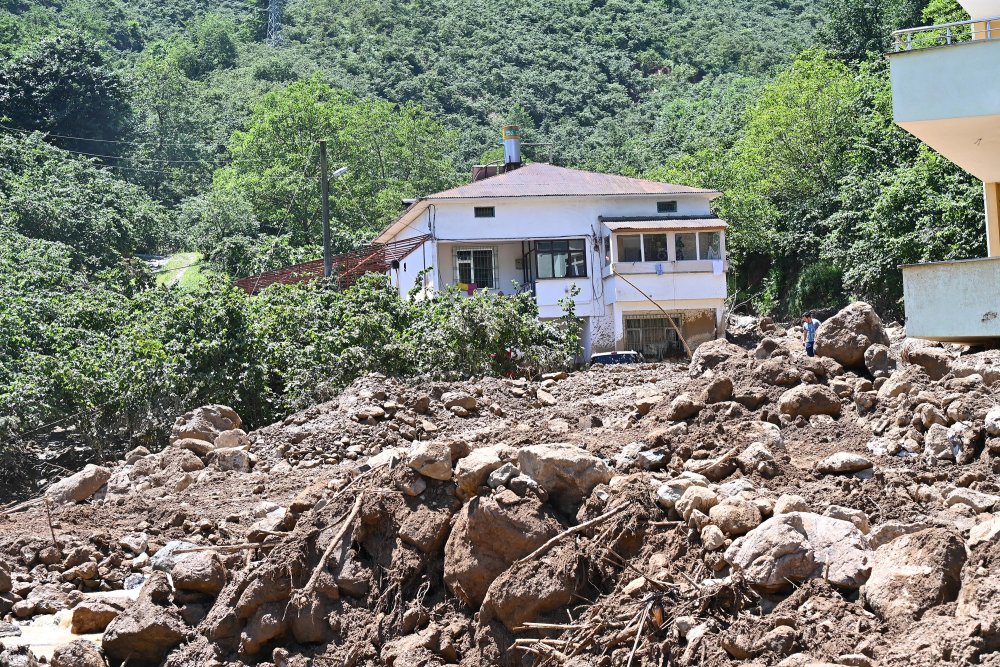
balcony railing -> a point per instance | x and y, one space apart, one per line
946 34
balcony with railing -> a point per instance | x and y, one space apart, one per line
943 93
945 34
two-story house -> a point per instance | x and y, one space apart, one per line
941 93
648 258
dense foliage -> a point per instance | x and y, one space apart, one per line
105 367
157 126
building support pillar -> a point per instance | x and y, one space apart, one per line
991 197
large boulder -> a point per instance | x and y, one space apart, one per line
203 572
935 361
847 335
530 589
148 629
91 616
808 400
79 653
915 572
714 353
984 364
567 472
795 547
80 486
877 359
489 534
205 423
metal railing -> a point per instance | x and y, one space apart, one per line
946 34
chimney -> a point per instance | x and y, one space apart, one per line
511 147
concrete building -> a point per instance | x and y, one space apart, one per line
942 94
648 258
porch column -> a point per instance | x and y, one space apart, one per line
991 196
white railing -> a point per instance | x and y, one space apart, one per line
946 34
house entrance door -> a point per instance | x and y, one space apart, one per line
653 336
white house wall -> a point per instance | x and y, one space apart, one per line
691 286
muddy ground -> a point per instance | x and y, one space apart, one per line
753 506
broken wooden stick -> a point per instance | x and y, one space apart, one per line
570 531
321 565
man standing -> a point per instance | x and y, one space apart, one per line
809 326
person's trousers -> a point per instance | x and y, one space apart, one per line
810 349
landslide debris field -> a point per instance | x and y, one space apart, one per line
754 506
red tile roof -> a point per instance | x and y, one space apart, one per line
348 267
546 180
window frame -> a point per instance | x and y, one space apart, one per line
581 253
484 211
666 206
472 265
671 246
710 259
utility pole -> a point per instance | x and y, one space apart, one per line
324 193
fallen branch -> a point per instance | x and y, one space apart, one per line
321 565
638 634
717 469
570 531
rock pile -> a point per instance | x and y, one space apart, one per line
752 507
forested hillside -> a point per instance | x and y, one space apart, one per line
158 126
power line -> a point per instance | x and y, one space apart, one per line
109 141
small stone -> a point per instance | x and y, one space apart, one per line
502 475
843 462
735 517
194 445
857 517
980 502
452 399
431 459
78 653
203 572
684 407
91 616
712 537
788 503
545 398
232 459
695 498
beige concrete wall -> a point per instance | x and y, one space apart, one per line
991 196
953 301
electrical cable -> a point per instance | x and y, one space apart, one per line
108 141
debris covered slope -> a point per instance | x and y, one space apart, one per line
755 506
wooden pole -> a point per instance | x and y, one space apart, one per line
324 190
670 319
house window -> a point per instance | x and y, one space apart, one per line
655 337
485 212
654 247
686 246
476 266
666 207
561 259
630 248
709 245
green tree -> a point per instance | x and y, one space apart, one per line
65 85
391 152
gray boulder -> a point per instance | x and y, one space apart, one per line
798 546
80 486
566 472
